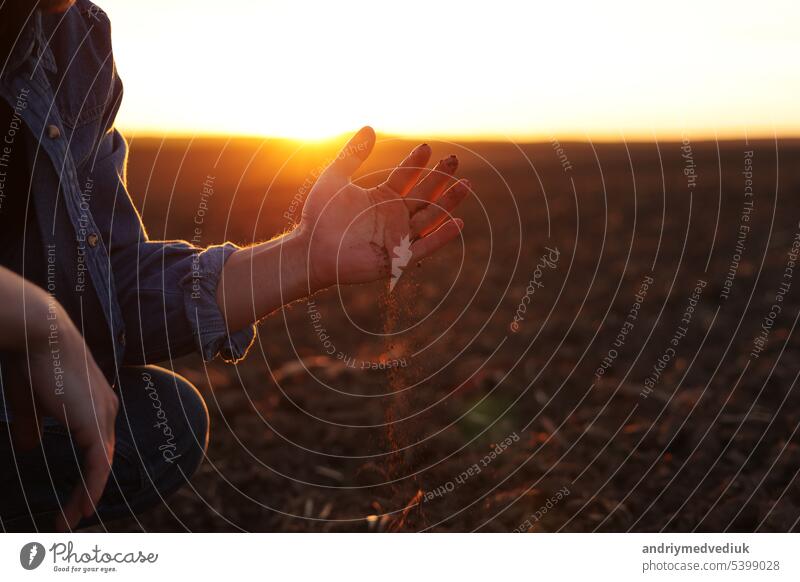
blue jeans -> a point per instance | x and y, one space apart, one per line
161 438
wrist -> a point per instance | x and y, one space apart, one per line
314 277
258 280
297 277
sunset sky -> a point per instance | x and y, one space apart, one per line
518 70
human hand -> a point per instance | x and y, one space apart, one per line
57 376
352 233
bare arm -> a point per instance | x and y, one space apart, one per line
74 391
347 234
260 279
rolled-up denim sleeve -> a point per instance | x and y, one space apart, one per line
200 299
166 289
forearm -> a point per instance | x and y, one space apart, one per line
260 279
24 309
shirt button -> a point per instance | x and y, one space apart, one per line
53 132
122 338
92 240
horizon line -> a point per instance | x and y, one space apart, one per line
567 137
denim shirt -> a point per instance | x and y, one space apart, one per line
135 300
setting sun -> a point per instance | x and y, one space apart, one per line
519 70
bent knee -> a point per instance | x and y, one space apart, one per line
162 431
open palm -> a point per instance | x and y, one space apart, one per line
354 232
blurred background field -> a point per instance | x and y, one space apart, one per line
300 440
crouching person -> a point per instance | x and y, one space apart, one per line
90 430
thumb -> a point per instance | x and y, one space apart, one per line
354 153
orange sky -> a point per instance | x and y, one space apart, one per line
518 70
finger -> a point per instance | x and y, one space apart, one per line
405 175
71 512
428 245
26 430
97 468
426 220
432 185
354 153
86 495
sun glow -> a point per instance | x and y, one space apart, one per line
467 70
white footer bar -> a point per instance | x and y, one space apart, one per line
401 557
